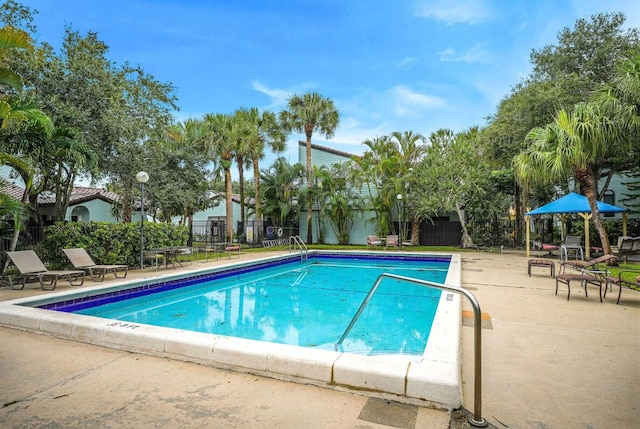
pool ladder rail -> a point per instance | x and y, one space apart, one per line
296 240
476 419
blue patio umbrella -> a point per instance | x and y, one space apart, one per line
573 203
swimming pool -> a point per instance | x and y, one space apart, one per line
431 375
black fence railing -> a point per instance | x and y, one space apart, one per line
28 238
249 233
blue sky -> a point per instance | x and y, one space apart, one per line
387 65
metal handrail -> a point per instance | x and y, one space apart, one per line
303 247
475 420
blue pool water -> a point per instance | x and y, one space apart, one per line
305 304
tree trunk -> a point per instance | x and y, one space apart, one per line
415 231
229 204
309 194
588 182
258 204
466 241
241 180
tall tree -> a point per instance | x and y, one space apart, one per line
451 176
242 153
375 170
564 74
590 50
571 146
411 149
114 109
220 142
265 132
180 166
306 114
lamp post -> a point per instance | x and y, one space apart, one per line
142 178
400 213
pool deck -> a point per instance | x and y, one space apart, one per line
547 363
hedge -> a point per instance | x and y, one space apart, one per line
107 243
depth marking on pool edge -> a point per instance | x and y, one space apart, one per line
467 319
123 325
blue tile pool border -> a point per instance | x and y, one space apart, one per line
160 285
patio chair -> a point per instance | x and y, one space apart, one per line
373 240
154 256
627 246
392 241
571 244
30 267
583 265
81 260
184 254
633 284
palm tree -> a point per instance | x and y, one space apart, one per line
620 100
10 207
265 131
15 114
306 114
571 146
372 168
341 201
281 190
621 97
70 154
220 142
409 153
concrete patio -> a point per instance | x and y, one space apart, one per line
547 363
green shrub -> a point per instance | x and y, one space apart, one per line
107 243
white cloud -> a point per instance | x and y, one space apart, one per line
460 12
354 132
280 96
475 54
406 62
404 101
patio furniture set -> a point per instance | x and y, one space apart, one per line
591 272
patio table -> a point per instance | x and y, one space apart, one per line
170 255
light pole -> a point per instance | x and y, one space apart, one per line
400 210
142 178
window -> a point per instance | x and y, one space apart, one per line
609 198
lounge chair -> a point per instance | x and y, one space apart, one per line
549 248
621 282
392 241
583 265
81 260
571 243
373 240
584 279
31 267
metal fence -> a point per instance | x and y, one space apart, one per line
250 233
28 238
